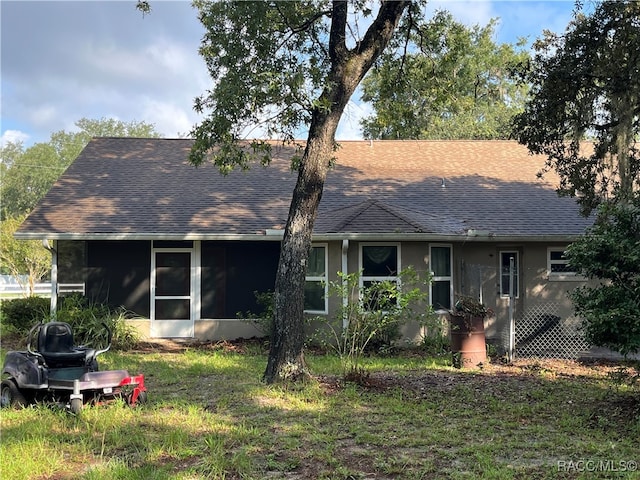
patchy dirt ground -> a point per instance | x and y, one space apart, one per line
500 375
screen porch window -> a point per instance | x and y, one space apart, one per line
315 294
505 262
441 288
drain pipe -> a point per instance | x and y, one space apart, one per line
344 268
54 276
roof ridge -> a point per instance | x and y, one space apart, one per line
359 208
393 210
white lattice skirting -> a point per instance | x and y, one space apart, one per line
542 332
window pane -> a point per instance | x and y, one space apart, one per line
441 294
175 309
561 268
316 267
379 261
505 258
314 296
173 274
441 261
556 255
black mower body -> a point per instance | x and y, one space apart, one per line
58 371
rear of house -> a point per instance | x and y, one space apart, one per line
186 248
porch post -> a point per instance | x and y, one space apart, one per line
54 275
345 267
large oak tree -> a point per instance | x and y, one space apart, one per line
585 85
584 115
287 66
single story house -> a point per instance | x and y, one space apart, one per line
132 223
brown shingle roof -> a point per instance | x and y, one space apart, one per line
146 187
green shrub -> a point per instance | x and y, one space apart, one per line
373 317
264 319
20 314
87 319
435 341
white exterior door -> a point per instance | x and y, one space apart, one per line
172 292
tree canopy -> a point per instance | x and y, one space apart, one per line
585 85
456 84
584 115
22 257
28 174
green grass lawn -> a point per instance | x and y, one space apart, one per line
210 416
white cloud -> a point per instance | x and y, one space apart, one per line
103 59
13 136
169 118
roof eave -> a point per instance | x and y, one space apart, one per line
277 235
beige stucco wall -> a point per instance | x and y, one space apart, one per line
478 268
475 272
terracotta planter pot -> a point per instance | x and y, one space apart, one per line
468 345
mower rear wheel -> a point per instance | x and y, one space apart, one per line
10 395
143 397
76 406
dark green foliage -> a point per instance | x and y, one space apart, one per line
263 320
457 83
610 252
86 319
585 85
23 313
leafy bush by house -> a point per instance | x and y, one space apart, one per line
262 320
86 319
20 314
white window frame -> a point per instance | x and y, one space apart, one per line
323 278
517 262
441 278
560 276
378 278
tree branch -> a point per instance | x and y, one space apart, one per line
338 34
304 26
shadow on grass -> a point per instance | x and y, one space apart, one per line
210 416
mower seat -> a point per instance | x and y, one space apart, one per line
55 344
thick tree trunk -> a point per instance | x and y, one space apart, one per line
286 357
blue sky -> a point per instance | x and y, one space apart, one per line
62 61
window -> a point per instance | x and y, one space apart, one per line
379 263
505 265
558 267
315 295
441 288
